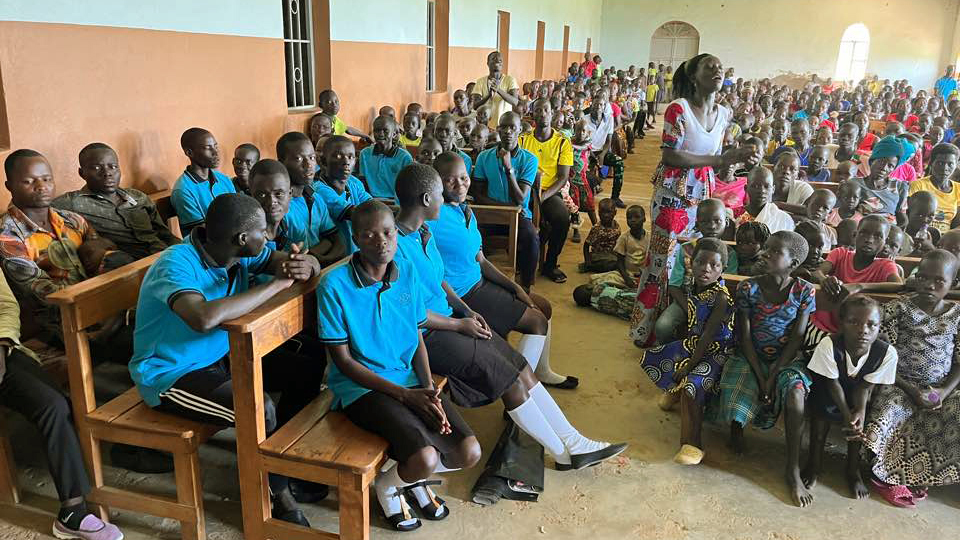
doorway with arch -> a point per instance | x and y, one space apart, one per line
674 42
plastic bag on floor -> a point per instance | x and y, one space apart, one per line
514 469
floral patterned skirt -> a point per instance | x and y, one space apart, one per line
672 215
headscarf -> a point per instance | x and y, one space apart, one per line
890 146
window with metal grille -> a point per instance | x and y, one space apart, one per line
298 53
431 46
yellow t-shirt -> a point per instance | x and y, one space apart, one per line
339 127
409 142
497 104
652 90
555 151
946 202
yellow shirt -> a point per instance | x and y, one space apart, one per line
652 90
409 142
339 128
497 104
555 151
946 202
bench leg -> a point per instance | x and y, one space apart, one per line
512 246
190 492
94 458
9 493
354 495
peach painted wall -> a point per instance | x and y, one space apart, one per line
136 90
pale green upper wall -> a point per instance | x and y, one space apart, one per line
256 18
909 39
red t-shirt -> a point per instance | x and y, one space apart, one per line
588 68
878 271
867 143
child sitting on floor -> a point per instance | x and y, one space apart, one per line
598 253
687 368
845 367
615 292
750 239
244 158
920 236
765 374
816 242
817 170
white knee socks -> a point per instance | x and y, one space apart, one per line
426 496
574 442
531 347
532 421
387 486
542 369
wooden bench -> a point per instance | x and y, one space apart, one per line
126 419
501 215
315 445
732 281
169 214
832 186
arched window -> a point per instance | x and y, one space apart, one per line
854 48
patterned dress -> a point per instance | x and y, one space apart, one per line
661 362
770 328
673 208
914 446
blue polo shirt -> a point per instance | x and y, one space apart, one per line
420 249
458 241
164 346
490 170
378 320
191 196
338 204
309 222
380 170
467 160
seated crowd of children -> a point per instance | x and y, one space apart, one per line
813 237
405 290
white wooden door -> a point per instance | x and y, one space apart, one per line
673 43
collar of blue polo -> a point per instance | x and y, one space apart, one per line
363 279
424 231
197 236
378 151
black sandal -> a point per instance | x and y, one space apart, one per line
436 503
397 520
555 275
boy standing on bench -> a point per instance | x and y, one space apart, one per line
180 362
200 182
28 390
126 216
370 310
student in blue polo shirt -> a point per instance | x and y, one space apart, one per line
180 362
200 182
338 188
369 311
308 218
380 163
504 175
503 303
445 132
480 365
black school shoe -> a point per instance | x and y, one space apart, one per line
582 461
291 516
306 492
569 383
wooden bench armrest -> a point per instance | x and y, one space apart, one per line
269 310
496 208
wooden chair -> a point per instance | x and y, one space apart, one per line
489 214
162 200
127 419
316 444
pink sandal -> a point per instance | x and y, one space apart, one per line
895 494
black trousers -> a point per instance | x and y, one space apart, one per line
206 395
554 226
28 390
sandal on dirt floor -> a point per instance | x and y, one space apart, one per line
436 509
897 495
555 275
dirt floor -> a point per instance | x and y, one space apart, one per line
643 494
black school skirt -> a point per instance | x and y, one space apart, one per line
478 371
498 306
402 428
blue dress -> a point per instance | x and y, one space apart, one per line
660 363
